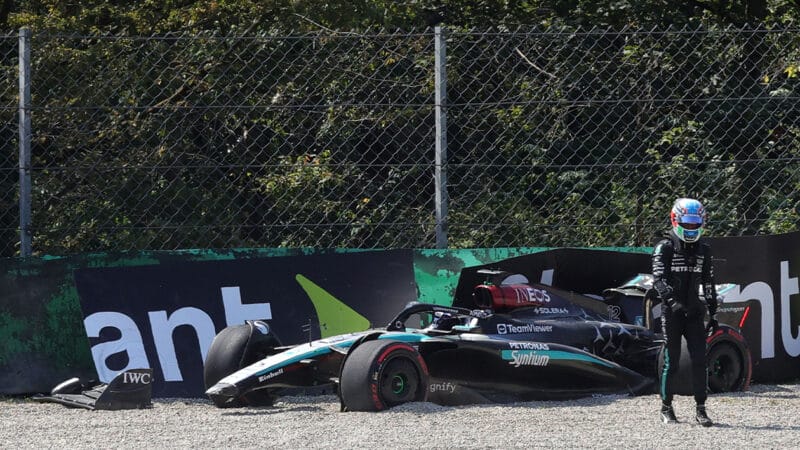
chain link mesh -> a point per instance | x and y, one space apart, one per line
9 139
554 138
594 134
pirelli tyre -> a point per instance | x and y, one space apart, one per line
728 361
380 374
236 347
730 366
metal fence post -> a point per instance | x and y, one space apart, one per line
441 139
25 142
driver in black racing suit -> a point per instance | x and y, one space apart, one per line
681 264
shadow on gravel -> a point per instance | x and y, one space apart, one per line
585 402
756 427
762 390
261 411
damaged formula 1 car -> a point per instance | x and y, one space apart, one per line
523 341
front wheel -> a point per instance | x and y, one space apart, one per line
381 374
236 347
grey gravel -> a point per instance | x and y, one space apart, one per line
766 416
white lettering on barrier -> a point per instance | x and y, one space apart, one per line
163 326
236 312
762 293
789 287
130 342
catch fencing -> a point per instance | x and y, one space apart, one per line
437 138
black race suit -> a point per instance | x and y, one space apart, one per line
679 269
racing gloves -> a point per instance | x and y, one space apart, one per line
713 325
712 317
667 295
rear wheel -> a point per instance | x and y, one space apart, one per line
725 368
381 374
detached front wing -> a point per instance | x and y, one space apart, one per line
131 389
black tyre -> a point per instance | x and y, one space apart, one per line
381 374
725 368
730 364
236 347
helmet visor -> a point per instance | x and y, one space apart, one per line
691 222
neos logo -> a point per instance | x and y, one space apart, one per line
163 325
532 295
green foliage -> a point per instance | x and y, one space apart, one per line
251 123
144 17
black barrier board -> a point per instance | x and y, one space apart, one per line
764 270
165 316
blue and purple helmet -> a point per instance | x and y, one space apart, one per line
688 218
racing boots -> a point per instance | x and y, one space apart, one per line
702 417
668 414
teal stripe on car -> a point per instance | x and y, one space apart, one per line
508 355
306 351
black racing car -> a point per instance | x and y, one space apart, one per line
523 341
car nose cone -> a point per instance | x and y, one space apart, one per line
223 390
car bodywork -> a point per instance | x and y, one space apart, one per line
523 341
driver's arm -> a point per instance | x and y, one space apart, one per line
662 266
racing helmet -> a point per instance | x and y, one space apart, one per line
444 321
688 219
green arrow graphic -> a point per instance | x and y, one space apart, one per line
334 316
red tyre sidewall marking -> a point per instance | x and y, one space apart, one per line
742 347
376 370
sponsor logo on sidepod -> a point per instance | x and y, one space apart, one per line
528 346
507 328
551 310
526 358
447 388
